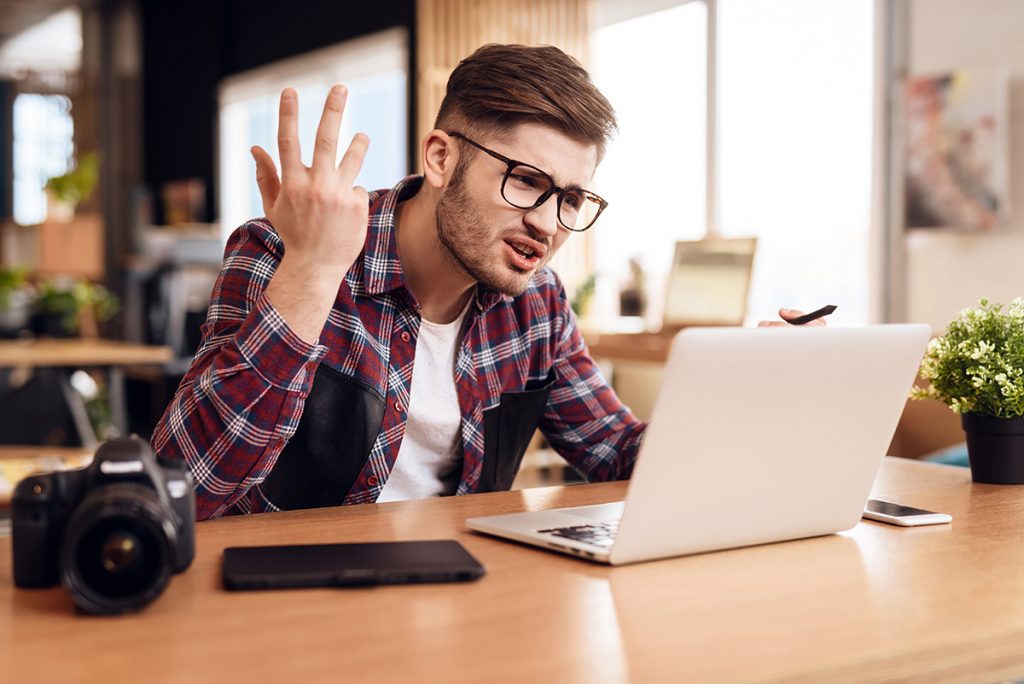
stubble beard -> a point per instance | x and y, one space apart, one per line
465 241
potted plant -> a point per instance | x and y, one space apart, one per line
977 369
66 307
64 192
16 295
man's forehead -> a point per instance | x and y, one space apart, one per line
569 161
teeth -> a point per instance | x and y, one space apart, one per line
525 251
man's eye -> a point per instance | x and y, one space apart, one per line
573 200
524 181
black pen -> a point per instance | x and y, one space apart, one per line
814 315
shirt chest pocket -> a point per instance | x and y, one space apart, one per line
508 428
322 460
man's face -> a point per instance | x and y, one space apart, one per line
487 237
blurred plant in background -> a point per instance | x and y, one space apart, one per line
65 307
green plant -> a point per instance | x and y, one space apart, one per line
12 279
76 185
69 299
978 365
583 295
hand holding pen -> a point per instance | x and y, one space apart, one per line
794 317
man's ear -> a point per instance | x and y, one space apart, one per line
440 155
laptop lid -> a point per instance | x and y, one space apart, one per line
765 434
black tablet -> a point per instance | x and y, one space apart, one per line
346 565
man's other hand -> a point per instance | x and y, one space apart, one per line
788 315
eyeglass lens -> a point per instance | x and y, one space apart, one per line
524 185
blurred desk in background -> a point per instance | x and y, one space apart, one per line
110 355
75 353
639 346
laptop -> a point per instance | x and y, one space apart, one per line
758 435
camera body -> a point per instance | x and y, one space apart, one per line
112 532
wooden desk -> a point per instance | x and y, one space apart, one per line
111 355
640 346
877 603
77 352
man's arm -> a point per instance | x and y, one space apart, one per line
242 398
584 420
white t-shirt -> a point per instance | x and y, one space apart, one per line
429 462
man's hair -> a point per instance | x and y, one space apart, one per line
499 86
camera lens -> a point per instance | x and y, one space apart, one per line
121 552
117 553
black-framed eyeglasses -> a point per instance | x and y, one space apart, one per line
524 186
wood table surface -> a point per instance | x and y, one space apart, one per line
652 347
79 352
876 603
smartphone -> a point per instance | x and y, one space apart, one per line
898 514
348 565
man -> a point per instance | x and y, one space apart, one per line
408 342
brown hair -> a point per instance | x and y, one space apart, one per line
499 86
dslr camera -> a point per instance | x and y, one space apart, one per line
112 532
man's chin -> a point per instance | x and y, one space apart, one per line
512 282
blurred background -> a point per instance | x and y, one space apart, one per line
771 153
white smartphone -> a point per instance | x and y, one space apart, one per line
907 516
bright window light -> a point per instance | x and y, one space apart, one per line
43 148
794 149
375 70
653 69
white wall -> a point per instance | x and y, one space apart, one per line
947 271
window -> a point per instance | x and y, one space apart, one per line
791 149
795 106
373 68
43 148
653 69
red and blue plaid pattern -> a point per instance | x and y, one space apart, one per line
243 395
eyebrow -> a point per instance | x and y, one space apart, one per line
570 186
507 141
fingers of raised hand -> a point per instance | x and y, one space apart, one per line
352 162
325 151
288 133
266 178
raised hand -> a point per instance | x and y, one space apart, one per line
317 211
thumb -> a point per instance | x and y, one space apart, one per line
266 178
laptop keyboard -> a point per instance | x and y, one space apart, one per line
598 534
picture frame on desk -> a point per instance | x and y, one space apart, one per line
709 282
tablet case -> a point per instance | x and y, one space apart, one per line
348 565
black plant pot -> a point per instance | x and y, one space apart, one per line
995 447
45 324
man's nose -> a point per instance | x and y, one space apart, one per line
544 219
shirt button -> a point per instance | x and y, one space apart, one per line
406 336
372 480
399 407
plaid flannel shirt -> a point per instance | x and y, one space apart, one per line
243 395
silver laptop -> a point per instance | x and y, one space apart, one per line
758 435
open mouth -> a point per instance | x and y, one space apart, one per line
524 254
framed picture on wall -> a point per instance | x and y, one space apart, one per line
956 151
709 282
